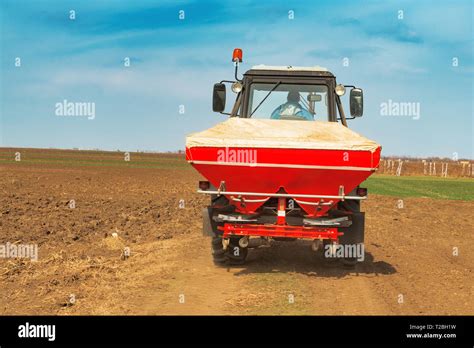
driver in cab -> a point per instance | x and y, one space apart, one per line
291 110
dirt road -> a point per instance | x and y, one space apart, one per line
419 259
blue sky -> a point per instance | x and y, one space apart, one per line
175 62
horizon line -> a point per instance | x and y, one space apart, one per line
182 151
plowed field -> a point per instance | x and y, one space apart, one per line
87 211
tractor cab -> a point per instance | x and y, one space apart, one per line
287 93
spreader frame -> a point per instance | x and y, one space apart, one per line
280 231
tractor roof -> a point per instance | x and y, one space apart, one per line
289 70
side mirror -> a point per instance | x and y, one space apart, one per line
218 97
356 101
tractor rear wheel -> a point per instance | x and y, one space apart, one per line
232 255
354 234
349 262
326 257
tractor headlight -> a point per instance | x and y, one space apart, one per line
340 90
236 87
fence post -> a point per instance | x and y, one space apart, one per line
399 169
444 170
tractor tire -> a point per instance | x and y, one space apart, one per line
349 262
328 260
232 255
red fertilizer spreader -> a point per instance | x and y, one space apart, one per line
282 179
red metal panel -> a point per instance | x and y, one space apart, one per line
289 156
317 181
280 231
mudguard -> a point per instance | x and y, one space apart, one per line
354 234
207 222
